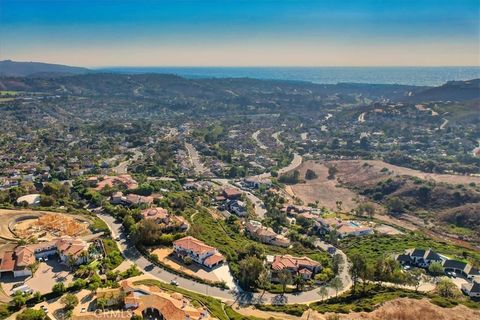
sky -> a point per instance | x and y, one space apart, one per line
104 33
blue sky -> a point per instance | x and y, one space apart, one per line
241 33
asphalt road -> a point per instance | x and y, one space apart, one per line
242 297
260 210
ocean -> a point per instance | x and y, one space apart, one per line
420 76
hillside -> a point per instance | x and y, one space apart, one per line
37 69
450 91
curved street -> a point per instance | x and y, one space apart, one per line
241 297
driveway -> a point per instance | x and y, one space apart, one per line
48 274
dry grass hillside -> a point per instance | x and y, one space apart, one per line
408 309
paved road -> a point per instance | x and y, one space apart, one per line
260 210
242 297
259 143
198 165
122 167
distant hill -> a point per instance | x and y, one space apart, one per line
450 91
11 68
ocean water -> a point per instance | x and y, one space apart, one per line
420 76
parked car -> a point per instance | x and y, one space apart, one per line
174 282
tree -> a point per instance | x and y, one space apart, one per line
357 268
148 232
102 302
323 292
284 277
299 282
366 208
333 236
446 288
332 171
310 174
415 277
31 314
58 288
395 205
263 281
435 268
336 284
46 201
250 268
337 262
71 261
37 296
19 300
70 301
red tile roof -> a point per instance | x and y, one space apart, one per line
214 259
194 245
290 262
8 261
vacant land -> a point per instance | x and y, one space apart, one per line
405 308
355 171
321 189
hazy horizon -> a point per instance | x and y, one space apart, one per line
366 33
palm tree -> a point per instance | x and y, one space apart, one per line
263 281
285 277
84 256
298 282
71 261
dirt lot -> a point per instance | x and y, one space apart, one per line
354 171
325 191
8 216
403 309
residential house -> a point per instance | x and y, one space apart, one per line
161 216
344 228
19 259
472 289
462 268
265 235
423 258
303 266
148 302
158 214
237 207
256 182
232 193
198 251
130 199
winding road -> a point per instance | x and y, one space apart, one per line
237 294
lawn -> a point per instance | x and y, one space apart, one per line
98 225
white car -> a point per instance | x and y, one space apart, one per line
174 282
83 310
